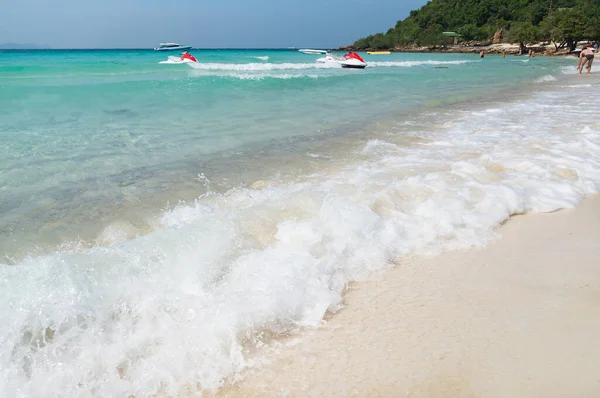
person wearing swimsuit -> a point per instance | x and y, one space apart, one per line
586 56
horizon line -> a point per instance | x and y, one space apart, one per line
152 49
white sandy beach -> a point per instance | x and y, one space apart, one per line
518 318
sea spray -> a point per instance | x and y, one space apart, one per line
186 307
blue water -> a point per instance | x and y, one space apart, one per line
161 224
86 133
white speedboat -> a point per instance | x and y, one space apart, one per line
172 47
310 51
350 60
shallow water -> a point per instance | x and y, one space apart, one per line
96 137
159 222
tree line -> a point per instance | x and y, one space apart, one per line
565 22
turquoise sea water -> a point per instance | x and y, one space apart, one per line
158 222
90 137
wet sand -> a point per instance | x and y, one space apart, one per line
517 318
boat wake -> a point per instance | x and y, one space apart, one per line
289 66
258 66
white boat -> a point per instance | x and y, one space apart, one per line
172 47
350 60
310 51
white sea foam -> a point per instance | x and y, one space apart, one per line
258 67
569 70
185 306
258 75
410 64
261 76
578 86
262 58
545 78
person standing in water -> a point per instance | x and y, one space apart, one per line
481 54
586 56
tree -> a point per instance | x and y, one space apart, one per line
406 33
568 22
431 37
469 31
522 32
381 41
567 27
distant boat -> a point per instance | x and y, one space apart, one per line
378 52
310 51
172 47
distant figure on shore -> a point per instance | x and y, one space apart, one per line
481 54
503 54
522 48
586 56
531 53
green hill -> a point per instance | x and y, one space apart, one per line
564 21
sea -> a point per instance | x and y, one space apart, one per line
162 226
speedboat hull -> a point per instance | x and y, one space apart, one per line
178 48
353 65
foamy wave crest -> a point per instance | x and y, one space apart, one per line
409 64
569 70
578 86
260 67
546 78
261 76
263 58
257 75
185 308
280 76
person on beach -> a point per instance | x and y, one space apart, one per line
586 56
481 54
503 54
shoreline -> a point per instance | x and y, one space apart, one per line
518 318
233 275
474 48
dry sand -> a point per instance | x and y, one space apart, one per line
518 318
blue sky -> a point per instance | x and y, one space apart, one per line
207 24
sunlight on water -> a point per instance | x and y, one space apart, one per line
293 188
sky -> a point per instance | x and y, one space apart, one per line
200 23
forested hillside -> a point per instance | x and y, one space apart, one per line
564 21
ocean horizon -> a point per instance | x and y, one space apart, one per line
161 223
152 48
